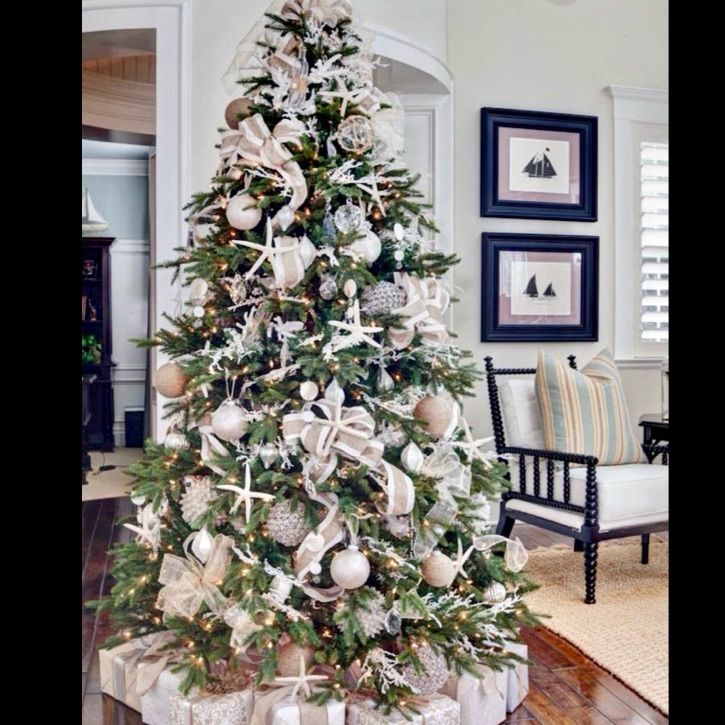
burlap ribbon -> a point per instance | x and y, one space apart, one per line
188 583
399 489
254 142
325 12
348 431
155 660
423 311
292 256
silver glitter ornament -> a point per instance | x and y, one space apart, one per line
435 671
268 454
382 298
328 288
237 289
494 593
175 440
348 218
288 527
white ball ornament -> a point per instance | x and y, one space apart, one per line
494 593
268 454
412 457
367 248
229 421
202 545
349 568
170 380
309 390
438 570
398 231
350 288
242 212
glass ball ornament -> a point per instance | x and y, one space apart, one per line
393 622
348 218
268 454
356 134
350 569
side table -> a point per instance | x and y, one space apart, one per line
656 430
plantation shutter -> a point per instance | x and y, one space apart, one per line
654 240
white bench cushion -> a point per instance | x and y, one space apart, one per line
521 417
630 494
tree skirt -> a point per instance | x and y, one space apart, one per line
115 483
626 631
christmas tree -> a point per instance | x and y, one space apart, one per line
319 497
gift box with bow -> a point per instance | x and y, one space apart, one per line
232 708
482 699
435 710
517 678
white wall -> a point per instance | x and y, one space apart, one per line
119 189
557 56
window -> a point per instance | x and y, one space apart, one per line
641 236
654 240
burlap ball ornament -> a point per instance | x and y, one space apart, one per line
170 380
285 526
438 413
438 570
237 106
382 298
435 671
288 659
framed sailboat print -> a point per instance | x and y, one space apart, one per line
539 287
537 165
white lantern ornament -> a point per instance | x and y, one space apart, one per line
229 421
243 212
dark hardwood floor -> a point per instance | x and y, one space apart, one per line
566 688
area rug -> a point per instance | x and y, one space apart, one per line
626 631
115 483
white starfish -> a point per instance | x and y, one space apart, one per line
471 446
150 529
358 333
245 494
301 681
371 188
266 250
461 559
343 93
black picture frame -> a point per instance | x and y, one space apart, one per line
494 204
493 329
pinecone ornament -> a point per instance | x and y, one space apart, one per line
435 671
382 298
288 527
197 497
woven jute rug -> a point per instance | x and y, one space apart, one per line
625 632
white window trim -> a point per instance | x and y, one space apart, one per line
632 108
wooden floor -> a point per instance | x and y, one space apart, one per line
565 686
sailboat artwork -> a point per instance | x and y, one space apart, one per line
540 166
549 291
91 219
531 290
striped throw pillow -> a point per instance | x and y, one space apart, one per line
585 411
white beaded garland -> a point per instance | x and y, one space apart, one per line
242 212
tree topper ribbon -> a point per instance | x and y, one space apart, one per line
188 583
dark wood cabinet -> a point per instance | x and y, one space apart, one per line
96 340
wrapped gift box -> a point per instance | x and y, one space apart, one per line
482 699
156 702
517 687
439 710
234 708
119 668
293 712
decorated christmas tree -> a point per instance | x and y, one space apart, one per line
319 498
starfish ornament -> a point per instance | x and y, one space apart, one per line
245 495
150 529
266 250
343 93
301 681
461 558
358 333
471 446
